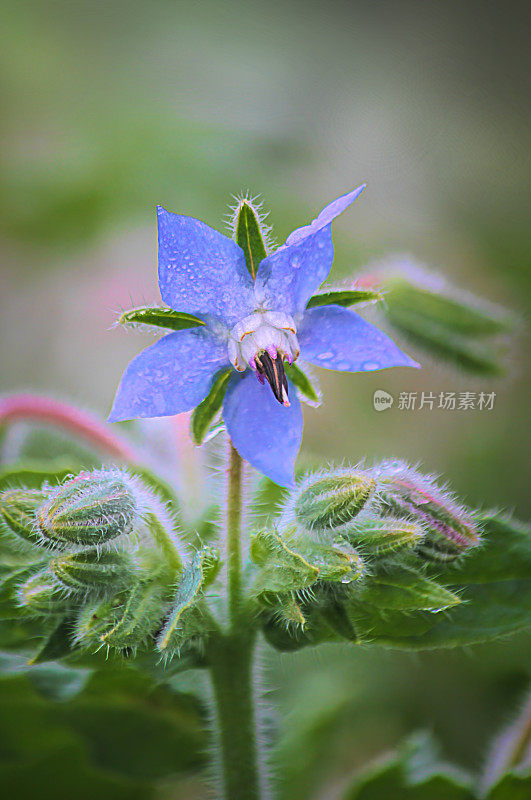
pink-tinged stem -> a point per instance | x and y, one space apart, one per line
45 409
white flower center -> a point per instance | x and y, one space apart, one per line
271 332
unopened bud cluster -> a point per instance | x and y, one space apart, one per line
382 510
101 550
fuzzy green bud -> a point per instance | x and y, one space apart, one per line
449 528
89 509
96 619
92 569
42 594
139 617
17 511
337 564
330 501
383 535
124 621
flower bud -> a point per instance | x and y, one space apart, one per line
138 617
17 510
97 618
449 529
89 509
91 569
383 535
42 594
337 564
329 501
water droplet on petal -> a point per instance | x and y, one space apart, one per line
326 355
295 261
368 366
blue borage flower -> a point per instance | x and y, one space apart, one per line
254 323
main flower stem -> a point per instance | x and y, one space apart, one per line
234 522
231 656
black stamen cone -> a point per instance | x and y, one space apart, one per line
273 371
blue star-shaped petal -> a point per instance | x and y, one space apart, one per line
254 326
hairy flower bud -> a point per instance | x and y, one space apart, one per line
125 621
337 564
383 535
449 529
91 569
90 509
42 594
17 510
331 500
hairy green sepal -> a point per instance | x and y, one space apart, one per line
205 412
303 384
344 297
186 620
248 234
159 317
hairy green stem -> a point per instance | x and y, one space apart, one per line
232 679
231 656
234 519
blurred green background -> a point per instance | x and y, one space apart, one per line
111 108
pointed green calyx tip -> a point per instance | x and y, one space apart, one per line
159 317
89 509
330 501
205 413
91 569
250 234
449 529
17 511
185 621
42 595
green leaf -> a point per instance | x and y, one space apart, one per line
207 409
160 317
486 612
505 554
57 644
513 786
65 774
402 589
53 681
302 382
248 234
344 297
136 728
32 475
127 727
414 773
494 585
